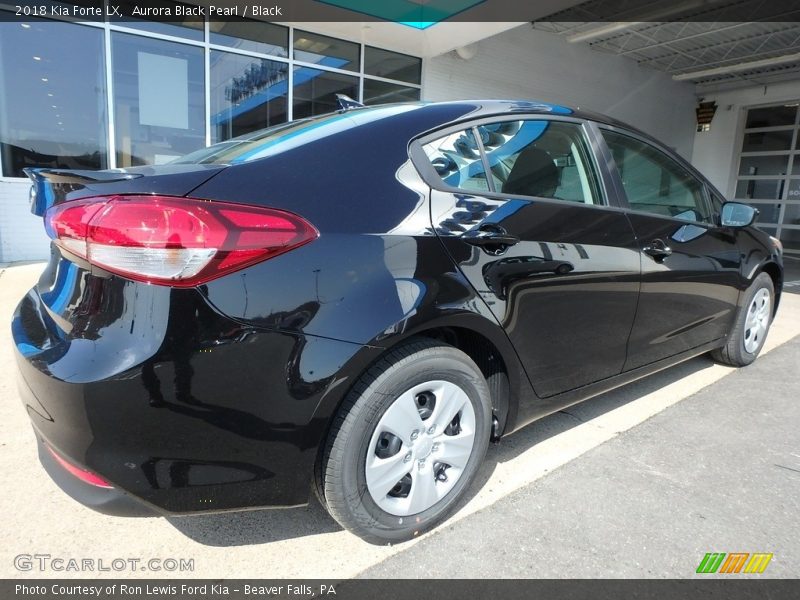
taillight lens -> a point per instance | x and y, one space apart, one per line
166 240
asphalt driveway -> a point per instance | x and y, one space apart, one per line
638 482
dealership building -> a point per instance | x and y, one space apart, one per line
95 94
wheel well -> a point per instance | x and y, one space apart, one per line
489 360
774 271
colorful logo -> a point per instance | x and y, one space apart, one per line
736 562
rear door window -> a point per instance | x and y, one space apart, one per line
529 157
541 158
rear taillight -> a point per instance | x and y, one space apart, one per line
173 241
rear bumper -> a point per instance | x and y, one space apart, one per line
205 417
109 501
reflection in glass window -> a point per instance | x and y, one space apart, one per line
52 101
392 65
764 165
247 94
255 36
315 91
381 92
457 161
759 189
792 216
768 213
767 141
190 27
326 51
656 183
771 116
547 159
159 99
288 136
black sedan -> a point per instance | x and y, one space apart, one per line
356 304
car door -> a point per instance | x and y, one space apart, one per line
690 267
557 266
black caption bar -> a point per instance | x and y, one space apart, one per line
416 12
370 589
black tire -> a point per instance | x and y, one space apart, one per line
734 352
342 468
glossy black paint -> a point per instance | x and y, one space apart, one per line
575 292
220 397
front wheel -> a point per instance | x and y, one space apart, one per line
407 442
749 332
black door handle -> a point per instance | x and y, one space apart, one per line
658 249
489 236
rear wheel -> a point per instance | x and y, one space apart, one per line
749 332
407 442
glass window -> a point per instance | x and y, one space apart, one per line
771 116
794 189
792 216
392 65
255 36
380 92
760 189
548 159
790 236
326 51
764 165
457 161
247 94
191 26
159 99
656 183
315 91
287 136
768 213
52 96
767 141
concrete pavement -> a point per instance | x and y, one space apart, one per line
718 472
306 542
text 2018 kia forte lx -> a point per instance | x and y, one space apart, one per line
357 303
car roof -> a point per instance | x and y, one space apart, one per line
492 107
481 108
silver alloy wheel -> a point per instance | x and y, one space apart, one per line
757 320
429 448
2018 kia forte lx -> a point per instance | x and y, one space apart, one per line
357 303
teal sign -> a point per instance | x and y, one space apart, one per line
407 12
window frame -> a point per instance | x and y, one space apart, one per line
108 26
705 186
428 174
366 47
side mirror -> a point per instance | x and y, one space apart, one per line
736 214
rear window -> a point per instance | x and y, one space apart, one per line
286 136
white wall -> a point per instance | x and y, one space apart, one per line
715 151
22 235
524 64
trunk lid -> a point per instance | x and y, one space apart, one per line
54 186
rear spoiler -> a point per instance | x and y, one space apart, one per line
50 186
